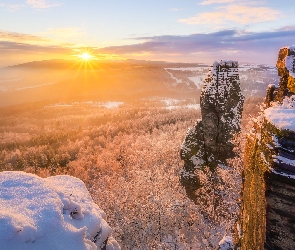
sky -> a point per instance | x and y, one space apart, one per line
197 31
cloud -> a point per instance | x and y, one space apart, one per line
227 44
26 43
287 28
14 47
175 9
15 53
12 7
8 36
42 4
207 2
44 38
261 47
36 4
240 14
241 2
18 48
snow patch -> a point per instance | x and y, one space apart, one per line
189 68
282 115
91 103
226 243
198 81
51 213
291 176
177 81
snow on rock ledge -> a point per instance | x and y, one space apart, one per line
282 115
51 213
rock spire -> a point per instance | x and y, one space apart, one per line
208 142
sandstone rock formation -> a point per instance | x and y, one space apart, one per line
268 208
286 67
208 142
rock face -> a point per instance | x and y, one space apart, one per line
268 208
286 69
221 108
208 142
285 65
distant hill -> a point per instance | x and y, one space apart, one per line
63 80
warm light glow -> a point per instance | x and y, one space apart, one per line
86 56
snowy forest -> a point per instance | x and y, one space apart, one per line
147 125
128 157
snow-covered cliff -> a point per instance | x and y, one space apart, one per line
268 208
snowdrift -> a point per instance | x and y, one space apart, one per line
51 213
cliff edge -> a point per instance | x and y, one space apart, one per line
268 207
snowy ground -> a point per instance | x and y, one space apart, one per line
174 104
91 103
51 213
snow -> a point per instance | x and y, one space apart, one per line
281 118
249 66
112 104
91 103
226 243
282 115
178 81
51 213
197 80
189 68
229 63
190 106
291 176
174 104
290 65
280 158
170 101
197 161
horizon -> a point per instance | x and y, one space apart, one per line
201 31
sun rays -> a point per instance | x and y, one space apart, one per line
87 62
86 56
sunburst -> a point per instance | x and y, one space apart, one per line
87 60
86 56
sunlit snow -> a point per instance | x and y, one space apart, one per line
282 115
51 213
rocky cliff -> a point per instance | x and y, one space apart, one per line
208 142
268 210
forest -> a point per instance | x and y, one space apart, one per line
128 158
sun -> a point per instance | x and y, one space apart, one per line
86 60
86 56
